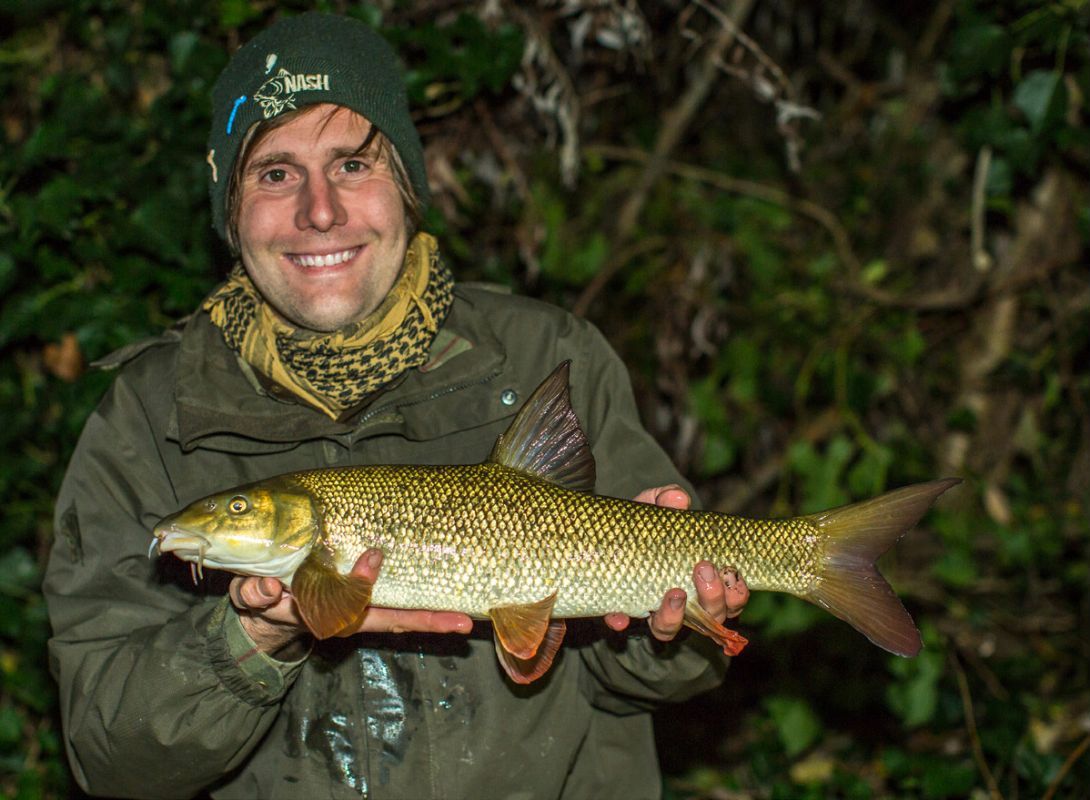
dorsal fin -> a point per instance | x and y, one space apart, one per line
546 439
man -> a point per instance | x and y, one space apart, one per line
342 339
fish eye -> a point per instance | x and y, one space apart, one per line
238 505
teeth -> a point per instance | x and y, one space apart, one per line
328 260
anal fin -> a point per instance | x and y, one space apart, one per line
331 604
702 622
527 638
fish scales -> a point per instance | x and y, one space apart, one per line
477 536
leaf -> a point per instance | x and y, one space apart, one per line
1041 96
915 697
718 454
797 725
18 572
742 361
11 725
181 48
235 13
956 568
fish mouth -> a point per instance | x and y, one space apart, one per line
186 545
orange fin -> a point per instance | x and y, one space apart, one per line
700 621
331 604
546 439
850 586
521 628
526 638
528 670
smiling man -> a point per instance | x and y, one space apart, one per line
340 338
322 227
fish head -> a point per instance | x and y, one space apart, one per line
265 528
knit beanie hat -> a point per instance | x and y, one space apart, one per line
304 60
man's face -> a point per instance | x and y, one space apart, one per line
322 230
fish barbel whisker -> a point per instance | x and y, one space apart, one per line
196 568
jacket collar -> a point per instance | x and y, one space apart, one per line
219 404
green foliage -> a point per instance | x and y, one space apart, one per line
797 726
802 340
105 239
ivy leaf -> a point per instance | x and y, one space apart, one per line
796 723
915 697
1041 96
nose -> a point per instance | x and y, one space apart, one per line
319 205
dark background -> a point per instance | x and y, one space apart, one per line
841 246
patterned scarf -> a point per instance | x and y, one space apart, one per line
334 372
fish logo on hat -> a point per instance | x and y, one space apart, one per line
277 94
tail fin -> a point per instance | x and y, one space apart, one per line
850 586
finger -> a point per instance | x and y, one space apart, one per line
736 591
710 591
256 593
397 620
368 565
670 496
673 497
666 621
617 621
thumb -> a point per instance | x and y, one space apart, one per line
252 593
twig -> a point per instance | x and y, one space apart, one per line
982 259
750 45
970 723
933 31
1054 786
674 125
510 163
950 298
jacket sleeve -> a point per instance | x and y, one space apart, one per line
161 690
634 672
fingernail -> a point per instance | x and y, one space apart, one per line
676 601
706 573
374 560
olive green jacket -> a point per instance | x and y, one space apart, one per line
163 694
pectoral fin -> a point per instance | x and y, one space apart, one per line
700 621
330 603
527 640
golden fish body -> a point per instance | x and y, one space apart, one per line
471 538
521 540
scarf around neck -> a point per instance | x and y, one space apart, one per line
335 372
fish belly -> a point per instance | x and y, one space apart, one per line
471 538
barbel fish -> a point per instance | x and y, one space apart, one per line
521 540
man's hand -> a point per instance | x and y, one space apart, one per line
268 613
722 593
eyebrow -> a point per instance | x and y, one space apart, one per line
258 164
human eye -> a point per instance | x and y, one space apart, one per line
355 166
274 175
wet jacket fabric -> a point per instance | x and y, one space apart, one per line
164 695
